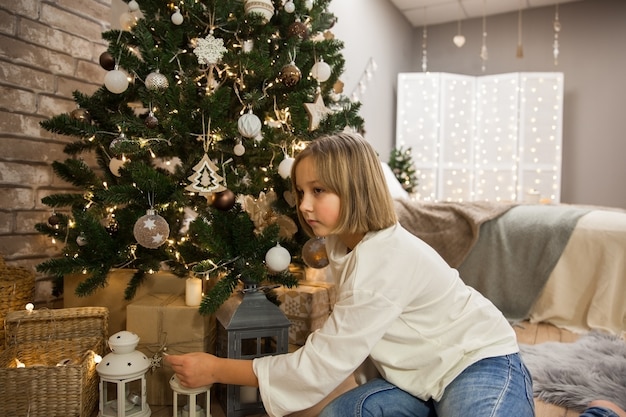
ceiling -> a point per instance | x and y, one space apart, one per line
432 12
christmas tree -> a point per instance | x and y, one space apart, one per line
192 136
403 168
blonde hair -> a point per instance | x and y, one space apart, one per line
348 166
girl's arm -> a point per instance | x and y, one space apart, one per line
199 369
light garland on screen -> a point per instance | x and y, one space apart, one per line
556 25
500 143
366 77
484 55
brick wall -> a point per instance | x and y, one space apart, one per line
48 49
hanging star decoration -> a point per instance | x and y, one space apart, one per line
210 50
317 111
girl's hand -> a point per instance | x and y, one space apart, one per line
193 369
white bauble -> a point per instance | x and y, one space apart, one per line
116 81
290 7
177 18
284 168
114 166
133 6
308 4
247 45
263 7
321 71
81 240
278 258
239 149
249 125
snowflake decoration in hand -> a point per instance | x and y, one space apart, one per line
155 361
209 50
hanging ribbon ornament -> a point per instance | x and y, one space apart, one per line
205 180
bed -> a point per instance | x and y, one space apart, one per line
559 264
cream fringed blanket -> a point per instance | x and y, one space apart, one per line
450 228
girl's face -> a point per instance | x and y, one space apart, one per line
319 207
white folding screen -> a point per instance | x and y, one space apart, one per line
493 138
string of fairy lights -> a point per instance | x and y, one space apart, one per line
493 138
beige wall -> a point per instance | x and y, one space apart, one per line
592 59
47 50
374 29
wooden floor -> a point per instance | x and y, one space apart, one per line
530 334
527 333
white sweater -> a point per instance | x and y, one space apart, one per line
398 304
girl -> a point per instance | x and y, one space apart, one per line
438 348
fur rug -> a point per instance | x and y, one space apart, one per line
573 374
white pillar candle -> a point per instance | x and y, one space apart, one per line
193 292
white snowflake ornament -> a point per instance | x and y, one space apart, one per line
210 50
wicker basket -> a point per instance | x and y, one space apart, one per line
58 348
17 288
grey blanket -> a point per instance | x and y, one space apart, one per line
516 253
450 228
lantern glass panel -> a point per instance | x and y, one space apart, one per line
184 405
109 398
259 346
132 397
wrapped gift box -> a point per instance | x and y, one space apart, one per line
112 296
307 306
164 322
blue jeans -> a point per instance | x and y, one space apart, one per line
493 387
598 412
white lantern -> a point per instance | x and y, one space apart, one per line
123 378
198 403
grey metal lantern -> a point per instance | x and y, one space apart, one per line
248 326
